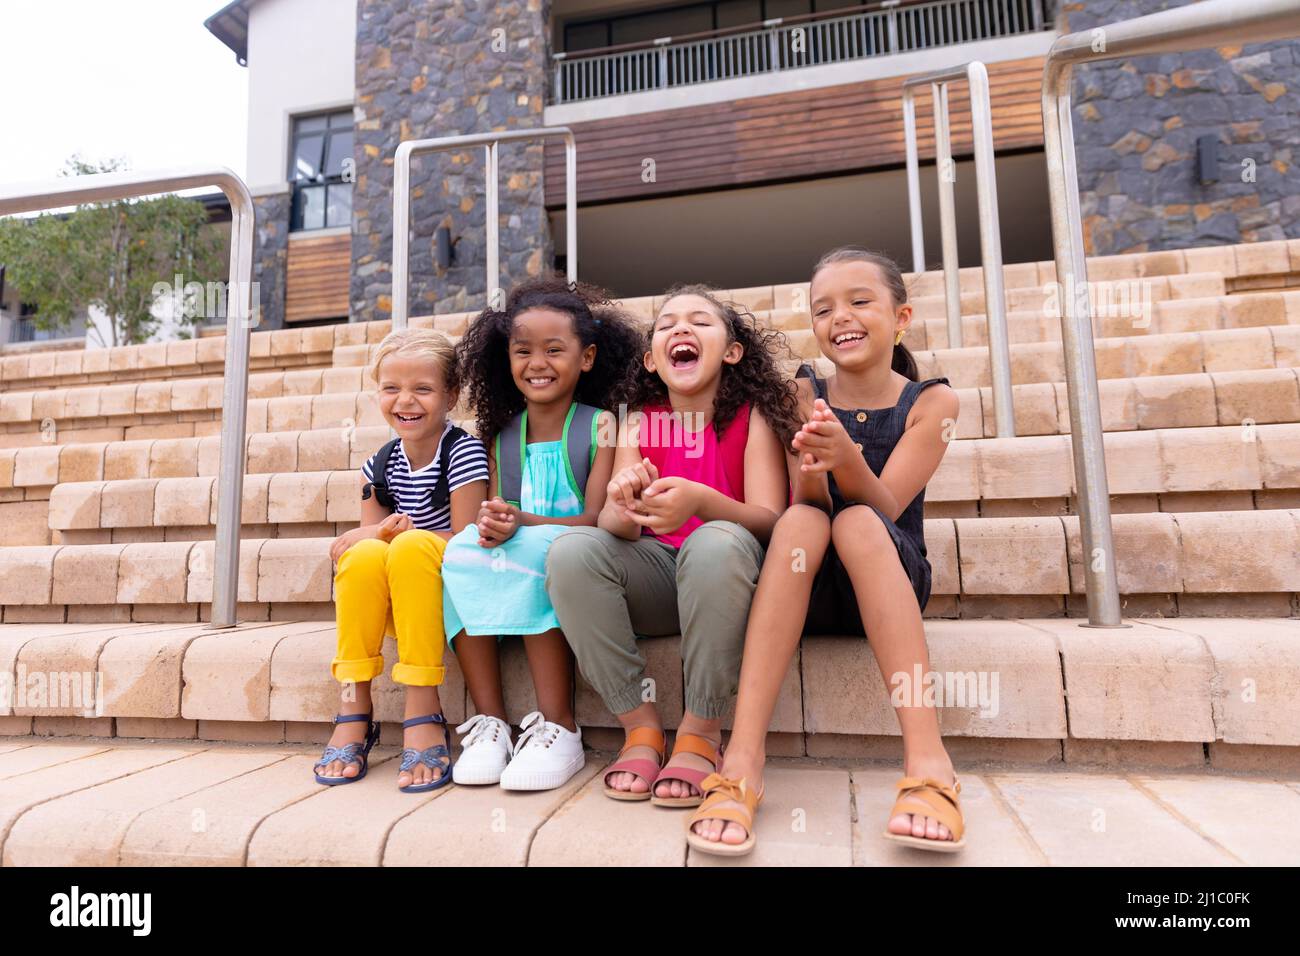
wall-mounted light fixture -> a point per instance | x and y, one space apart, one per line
1207 158
444 247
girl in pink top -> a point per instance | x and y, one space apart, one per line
699 481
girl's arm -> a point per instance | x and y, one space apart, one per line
766 490
469 463
627 480
912 462
807 487
465 502
375 523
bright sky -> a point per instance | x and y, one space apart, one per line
136 79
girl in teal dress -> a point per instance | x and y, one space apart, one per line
537 375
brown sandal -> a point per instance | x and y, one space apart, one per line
718 789
647 770
930 798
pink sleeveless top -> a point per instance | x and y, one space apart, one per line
698 456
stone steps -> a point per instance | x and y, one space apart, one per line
1191 469
1242 562
1175 681
90 802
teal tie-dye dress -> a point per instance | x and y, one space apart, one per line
502 590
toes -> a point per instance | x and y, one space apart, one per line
944 832
901 824
734 834
350 769
931 828
918 826
635 783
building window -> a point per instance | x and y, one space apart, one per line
321 145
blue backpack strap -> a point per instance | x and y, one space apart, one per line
379 482
508 450
580 444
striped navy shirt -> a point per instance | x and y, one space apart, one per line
467 462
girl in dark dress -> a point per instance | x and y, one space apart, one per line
848 557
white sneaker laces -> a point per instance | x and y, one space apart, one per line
538 732
482 728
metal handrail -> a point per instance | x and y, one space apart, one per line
489 141
1193 27
995 297
106 187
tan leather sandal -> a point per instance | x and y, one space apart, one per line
717 790
930 798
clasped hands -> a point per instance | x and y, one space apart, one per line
663 505
823 443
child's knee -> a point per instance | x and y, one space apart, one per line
416 545
859 525
368 552
575 556
716 552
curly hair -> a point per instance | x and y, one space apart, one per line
483 354
757 378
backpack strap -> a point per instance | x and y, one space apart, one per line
508 449
440 496
379 482
580 443
806 370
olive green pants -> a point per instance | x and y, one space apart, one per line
606 590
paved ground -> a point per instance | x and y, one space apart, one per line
106 802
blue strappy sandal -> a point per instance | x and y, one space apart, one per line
437 757
355 752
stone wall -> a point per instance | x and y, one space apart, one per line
430 68
270 255
1136 122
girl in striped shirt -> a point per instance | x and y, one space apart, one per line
417 491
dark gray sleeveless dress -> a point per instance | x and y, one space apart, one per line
833 608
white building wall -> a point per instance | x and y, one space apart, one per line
301 59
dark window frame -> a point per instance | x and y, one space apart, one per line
336 123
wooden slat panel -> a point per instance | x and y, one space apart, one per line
316 280
822 131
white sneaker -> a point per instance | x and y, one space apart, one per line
546 756
485 750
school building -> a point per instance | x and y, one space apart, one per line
724 141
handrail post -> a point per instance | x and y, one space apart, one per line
995 297
995 303
490 141
946 172
241 311
913 179
1191 27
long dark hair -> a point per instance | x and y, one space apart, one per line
757 378
484 354
903 363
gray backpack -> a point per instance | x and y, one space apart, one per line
579 440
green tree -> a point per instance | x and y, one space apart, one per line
112 255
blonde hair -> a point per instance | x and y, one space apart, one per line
419 343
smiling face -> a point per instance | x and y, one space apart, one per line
546 356
413 396
853 314
690 344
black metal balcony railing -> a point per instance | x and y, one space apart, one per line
814 40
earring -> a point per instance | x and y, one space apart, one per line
899 337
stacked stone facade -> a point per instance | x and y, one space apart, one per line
1136 124
433 68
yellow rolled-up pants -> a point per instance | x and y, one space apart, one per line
391 587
